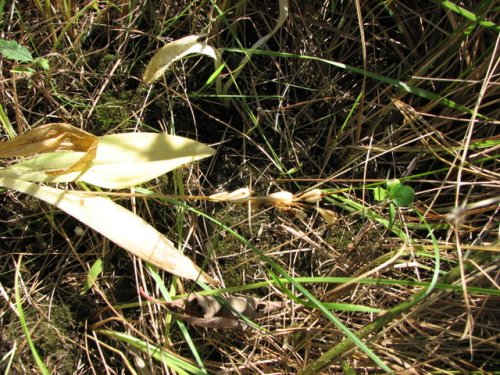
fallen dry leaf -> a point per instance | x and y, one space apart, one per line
208 311
311 196
53 137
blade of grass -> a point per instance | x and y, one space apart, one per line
6 124
473 290
467 14
391 81
72 21
22 319
368 281
2 6
283 8
332 306
182 326
173 361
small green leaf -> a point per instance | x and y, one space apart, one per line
92 276
379 194
10 49
42 63
402 195
393 184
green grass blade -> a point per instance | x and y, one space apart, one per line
6 124
327 358
391 81
368 281
22 319
171 360
92 276
166 295
467 14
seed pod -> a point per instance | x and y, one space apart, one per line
312 196
218 197
281 197
239 196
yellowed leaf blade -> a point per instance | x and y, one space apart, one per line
174 51
129 159
53 137
121 161
38 168
120 225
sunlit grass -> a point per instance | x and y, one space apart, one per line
313 99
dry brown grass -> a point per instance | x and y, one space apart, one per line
294 122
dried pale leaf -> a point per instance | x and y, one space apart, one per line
53 137
174 51
329 216
208 311
120 225
121 160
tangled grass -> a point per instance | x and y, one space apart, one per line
343 97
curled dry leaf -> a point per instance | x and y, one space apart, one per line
208 311
239 196
53 137
174 51
120 225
